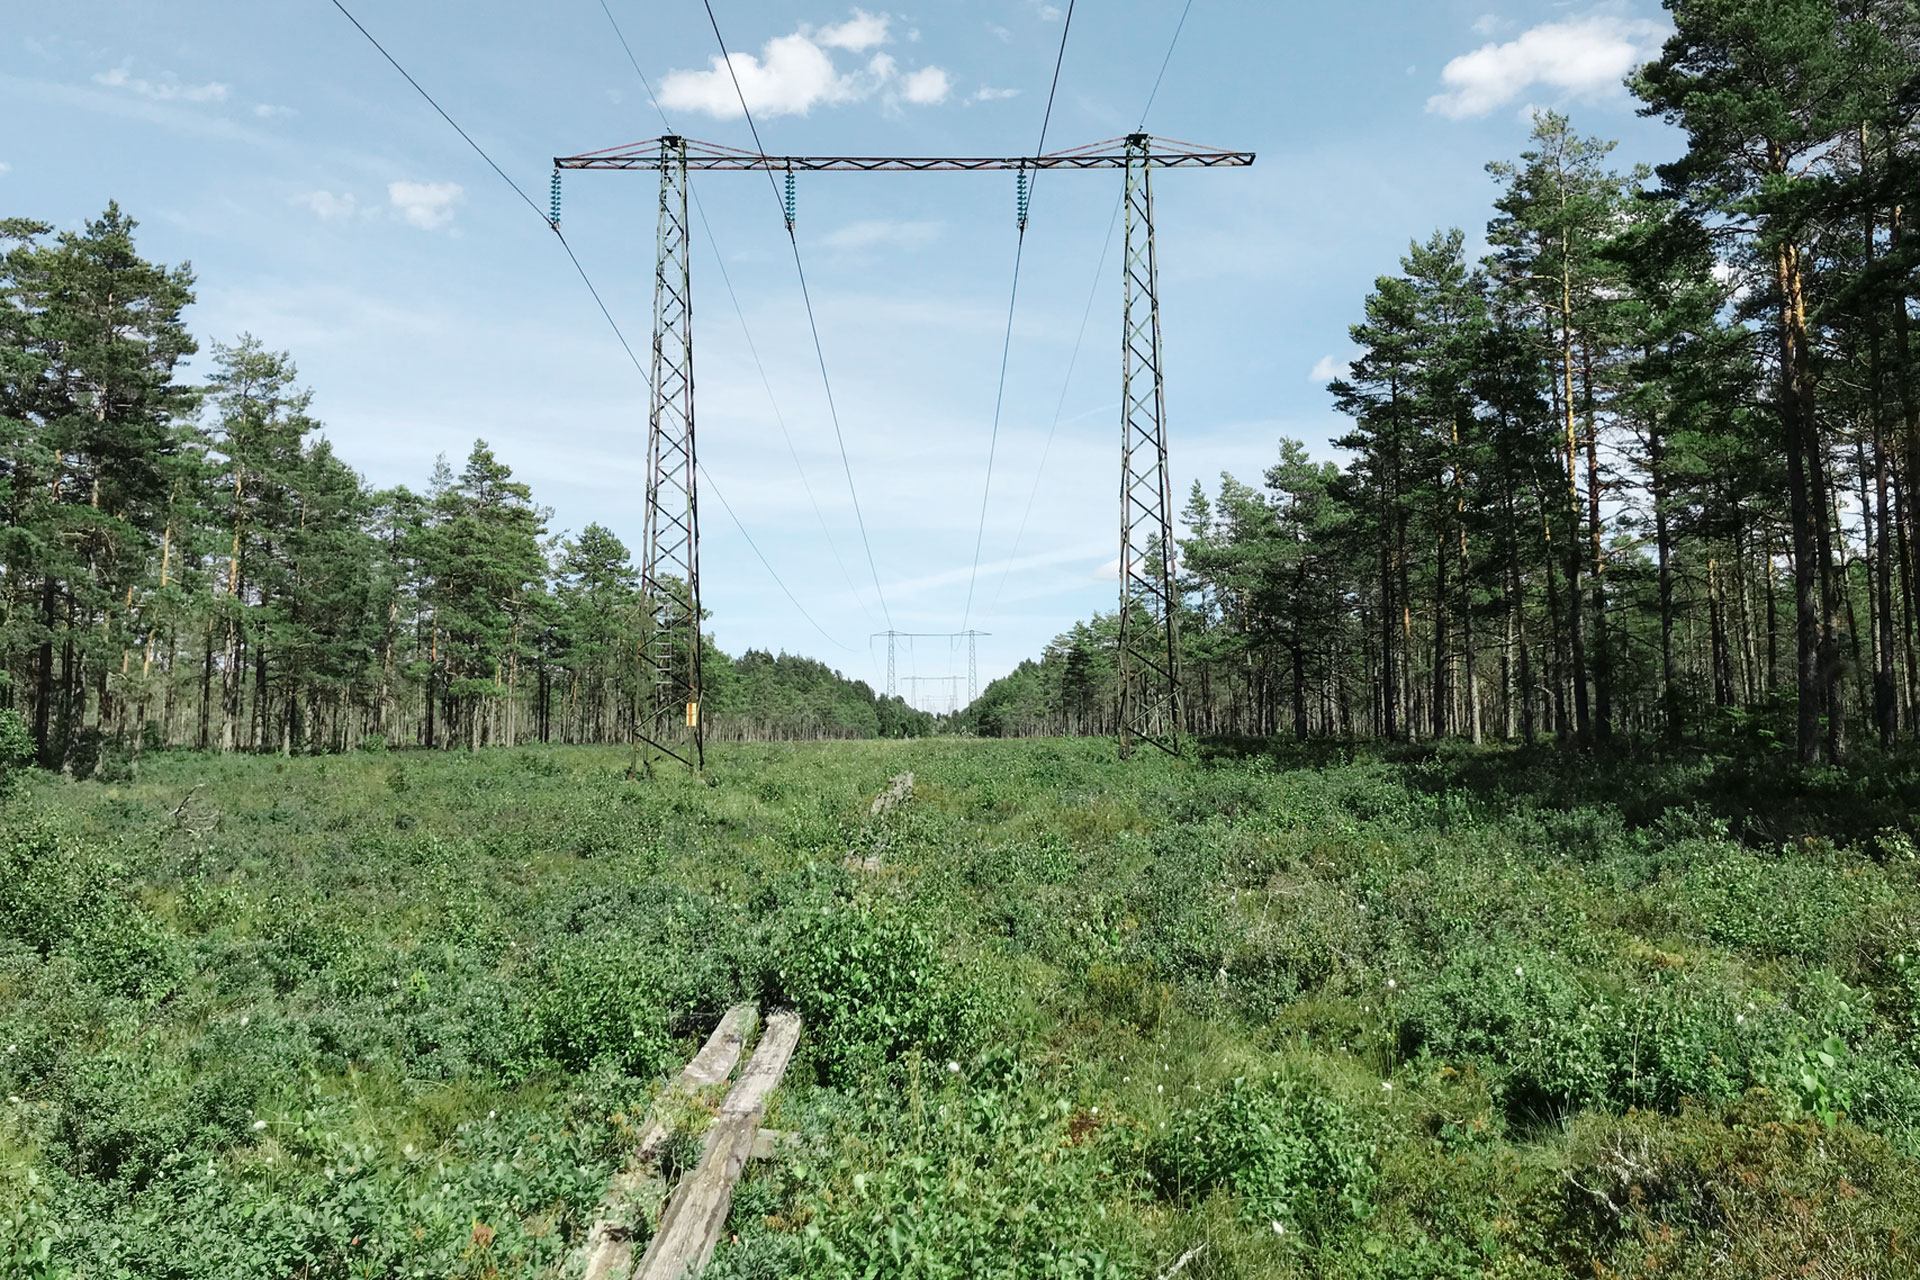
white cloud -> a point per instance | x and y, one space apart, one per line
1735 280
1329 368
161 90
1049 12
987 93
426 205
857 34
795 73
267 111
5 168
328 206
925 87
864 235
1581 57
1488 24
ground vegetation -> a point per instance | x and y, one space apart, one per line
1341 1011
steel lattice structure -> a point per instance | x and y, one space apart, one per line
1149 666
973 655
1150 701
1115 153
670 567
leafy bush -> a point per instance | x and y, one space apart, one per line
1186 930
28 1232
1557 1043
991 1174
1291 1154
16 750
597 1004
57 896
1788 908
871 984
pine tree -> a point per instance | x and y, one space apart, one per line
92 335
1763 91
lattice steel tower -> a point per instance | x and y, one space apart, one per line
1149 602
1149 667
973 654
670 568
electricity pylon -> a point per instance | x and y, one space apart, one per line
952 683
973 655
1148 659
973 664
671 724
1149 662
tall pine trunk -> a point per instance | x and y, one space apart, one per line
1800 435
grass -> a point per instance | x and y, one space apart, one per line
1414 1014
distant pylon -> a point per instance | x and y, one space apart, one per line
973 656
973 665
951 682
670 566
1148 655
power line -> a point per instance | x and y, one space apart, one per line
1178 27
708 477
739 312
1006 345
528 200
806 296
1066 383
611 322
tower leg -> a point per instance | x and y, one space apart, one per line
1148 649
671 721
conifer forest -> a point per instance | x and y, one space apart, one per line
1643 468
190 564
1522 879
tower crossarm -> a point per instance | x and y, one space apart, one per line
708 157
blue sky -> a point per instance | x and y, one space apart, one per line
330 213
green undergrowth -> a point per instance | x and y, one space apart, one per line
401 1014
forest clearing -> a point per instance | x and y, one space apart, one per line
1467 830
1396 1012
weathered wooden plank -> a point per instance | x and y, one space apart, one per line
608 1251
769 1143
899 791
695 1216
714 1063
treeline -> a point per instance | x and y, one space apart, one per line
190 564
1648 463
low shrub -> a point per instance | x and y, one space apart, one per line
1737 1194
871 984
1292 1155
1555 1042
597 1004
990 1173
1779 907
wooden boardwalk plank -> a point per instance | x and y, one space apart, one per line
697 1213
608 1251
